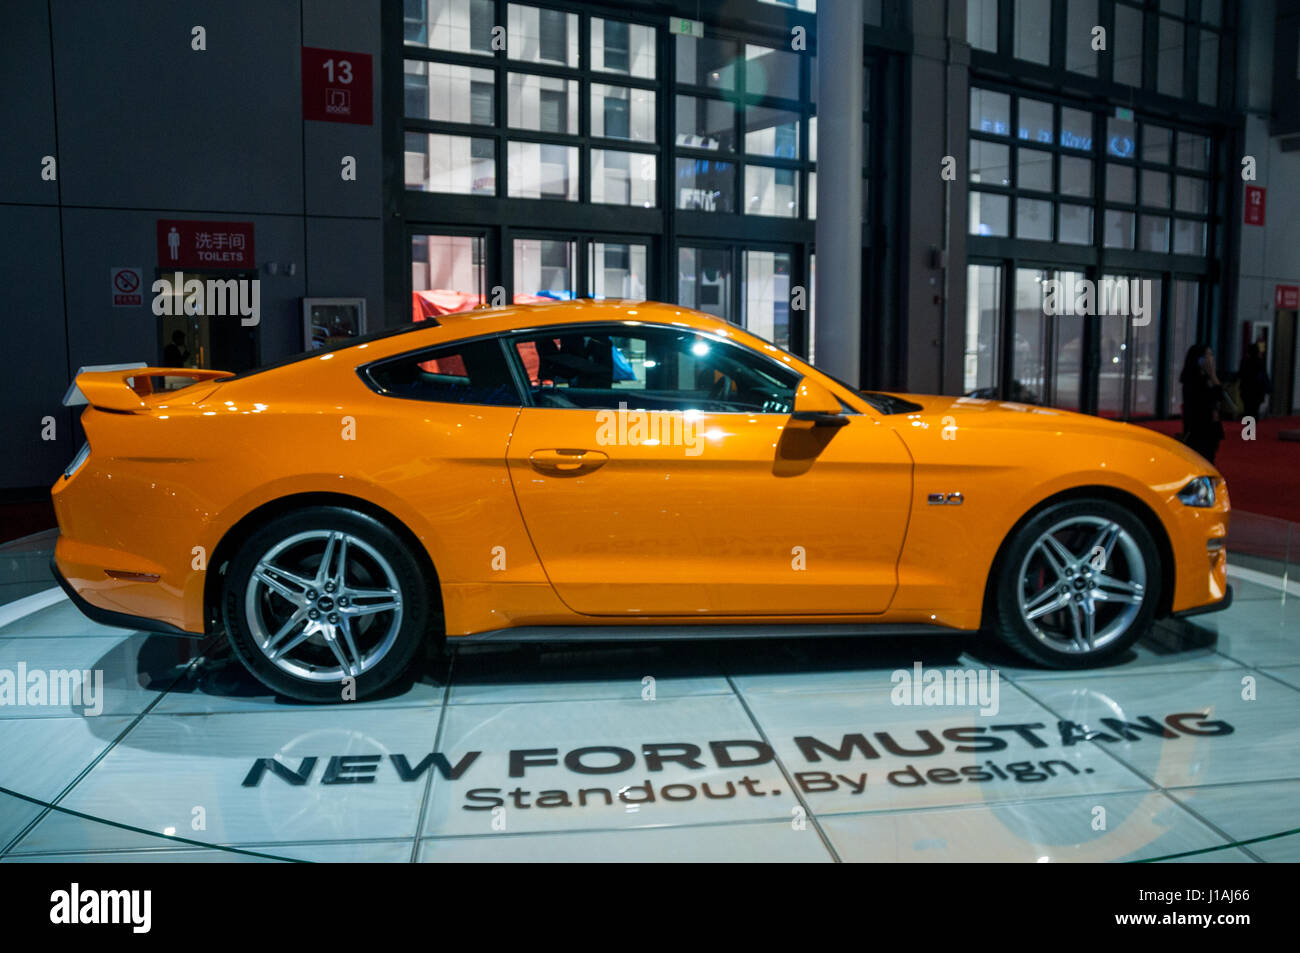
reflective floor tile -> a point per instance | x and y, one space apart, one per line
529 674
838 746
1223 736
61 620
39 757
1246 811
847 664
223 685
1287 673
1055 830
365 852
772 841
124 673
172 769
1169 647
624 789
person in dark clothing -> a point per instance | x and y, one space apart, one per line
175 354
1202 392
1255 385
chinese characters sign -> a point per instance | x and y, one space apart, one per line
185 244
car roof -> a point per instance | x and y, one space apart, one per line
522 316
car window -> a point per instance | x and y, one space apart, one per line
650 368
470 372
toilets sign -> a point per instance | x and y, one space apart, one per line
190 244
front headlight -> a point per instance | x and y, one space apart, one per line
82 456
1200 492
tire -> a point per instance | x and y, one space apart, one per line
1070 561
368 623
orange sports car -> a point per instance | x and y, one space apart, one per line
611 470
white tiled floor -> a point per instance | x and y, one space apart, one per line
807 726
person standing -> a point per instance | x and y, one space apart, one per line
1255 385
1202 394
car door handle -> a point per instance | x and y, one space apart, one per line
818 419
565 462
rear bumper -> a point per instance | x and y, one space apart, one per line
108 617
1219 606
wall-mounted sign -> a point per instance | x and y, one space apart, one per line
330 321
125 285
1254 214
187 244
1287 297
680 26
337 86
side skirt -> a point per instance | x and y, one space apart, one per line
646 633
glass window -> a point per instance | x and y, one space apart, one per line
1156 142
706 185
1121 138
542 103
1076 129
1153 233
1121 183
1155 188
1143 368
770 72
1127 44
542 171
1034 170
623 178
1192 195
704 280
1075 224
617 270
1189 237
1169 77
983 319
1212 11
1207 70
464 26
1076 176
620 112
1119 229
446 93
1036 123
1031 350
1033 31
765 295
1080 18
990 112
618 47
707 62
982 24
770 191
990 163
771 132
1034 219
1193 151
989 214
1184 298
447 274
458 164
651 369
1067 349
537 35
472 372
706 123
544 270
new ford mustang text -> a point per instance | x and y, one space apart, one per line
611 469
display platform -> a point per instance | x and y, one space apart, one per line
813 750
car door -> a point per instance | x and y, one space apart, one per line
656 475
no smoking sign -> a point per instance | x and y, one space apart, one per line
126 287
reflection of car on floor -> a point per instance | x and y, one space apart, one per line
612 470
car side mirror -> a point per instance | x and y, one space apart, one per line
815 406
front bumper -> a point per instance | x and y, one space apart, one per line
1219 606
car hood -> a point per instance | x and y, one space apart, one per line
936 410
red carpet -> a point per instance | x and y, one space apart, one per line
1263 474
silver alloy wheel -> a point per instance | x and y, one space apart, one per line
323 605
1082 583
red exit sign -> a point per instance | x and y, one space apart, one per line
1254 205
1287 297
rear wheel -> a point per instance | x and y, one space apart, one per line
1077 584
326 604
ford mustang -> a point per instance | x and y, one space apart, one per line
611 470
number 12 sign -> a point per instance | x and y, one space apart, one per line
337 86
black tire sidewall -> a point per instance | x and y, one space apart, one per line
411 580
1014 631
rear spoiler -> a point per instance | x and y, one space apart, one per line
125 389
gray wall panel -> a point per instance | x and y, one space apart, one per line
27 105
345 259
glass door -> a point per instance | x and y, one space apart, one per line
448 274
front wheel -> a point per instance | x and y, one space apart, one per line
1077 584
326 604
